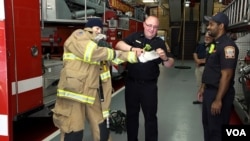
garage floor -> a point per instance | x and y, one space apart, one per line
178 118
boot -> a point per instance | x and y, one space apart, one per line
104 131
74 136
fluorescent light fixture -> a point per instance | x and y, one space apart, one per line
187 3
150 1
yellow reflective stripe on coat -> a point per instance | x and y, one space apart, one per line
89 51
75 96
105 75
71 56
118 61
132 58
105 114
110 54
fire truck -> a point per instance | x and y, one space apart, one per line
31 46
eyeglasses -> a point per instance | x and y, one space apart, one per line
151 26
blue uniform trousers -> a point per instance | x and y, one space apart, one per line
141 94
212 124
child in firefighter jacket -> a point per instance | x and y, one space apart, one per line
79 97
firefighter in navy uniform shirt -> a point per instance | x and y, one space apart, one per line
199 56
141 83
217 90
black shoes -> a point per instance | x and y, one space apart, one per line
197 102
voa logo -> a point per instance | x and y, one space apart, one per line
236 132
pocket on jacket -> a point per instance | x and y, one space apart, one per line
61 116
74 81
93 88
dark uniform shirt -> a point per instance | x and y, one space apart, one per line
149 70
224 55
201 51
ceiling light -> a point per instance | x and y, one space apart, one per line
187 3
149 1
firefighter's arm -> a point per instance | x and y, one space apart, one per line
88 51
167 60
200 92
122 56
121 45
226 76
197 60
119 56
81 45
167 46
131 57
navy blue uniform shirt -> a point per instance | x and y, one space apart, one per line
201 50
149 70
224 55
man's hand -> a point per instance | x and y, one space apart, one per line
100 37
200 93
216 107
161 54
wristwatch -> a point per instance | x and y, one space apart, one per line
131 48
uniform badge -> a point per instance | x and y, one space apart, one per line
212 49
229 52
147 47
138 41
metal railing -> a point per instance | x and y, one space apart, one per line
238 12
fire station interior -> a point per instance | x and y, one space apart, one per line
48 24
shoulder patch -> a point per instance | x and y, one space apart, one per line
79 33
229 52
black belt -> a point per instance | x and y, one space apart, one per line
209 86
141 81
201 65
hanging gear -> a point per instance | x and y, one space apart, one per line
117 121
100 90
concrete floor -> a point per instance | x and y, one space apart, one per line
178 118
